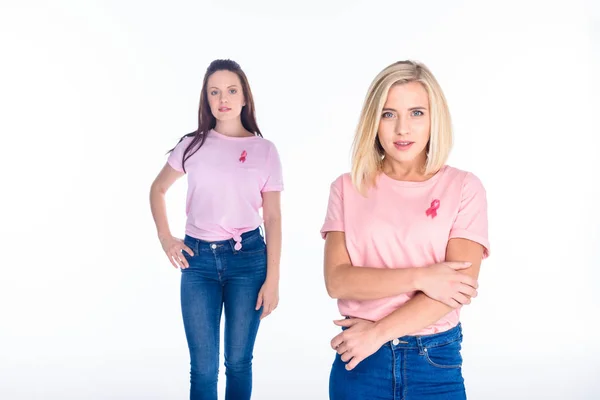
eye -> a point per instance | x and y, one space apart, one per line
233 91
387 114
418 113
213 93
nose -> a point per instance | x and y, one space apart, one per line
224 98
402 127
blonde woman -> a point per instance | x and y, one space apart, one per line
405 235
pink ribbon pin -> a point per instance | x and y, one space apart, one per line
243 156
432 211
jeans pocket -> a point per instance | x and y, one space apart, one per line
444 356
256 245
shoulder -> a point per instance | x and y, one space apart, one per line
342 180
266 146
182 144
261 141
467 180
185 140
342 183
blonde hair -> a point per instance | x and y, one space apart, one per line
367 153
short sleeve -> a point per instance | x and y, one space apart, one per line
334 219
274 182
471 222
175 159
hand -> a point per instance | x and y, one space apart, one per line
173 248
268 297
443 282
357 342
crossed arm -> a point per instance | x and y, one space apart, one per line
363 338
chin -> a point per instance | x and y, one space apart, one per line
230 116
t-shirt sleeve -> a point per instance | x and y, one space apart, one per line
334 219
471 222
175 159
274 182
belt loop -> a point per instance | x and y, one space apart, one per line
261 231
420 346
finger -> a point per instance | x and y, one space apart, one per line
469 280
266 313
468 290
347 356
342 348
259 301
354 362
336 341
175 259
182 260
266 309
347 322
450 302
172 262
188 250
458 264
462 299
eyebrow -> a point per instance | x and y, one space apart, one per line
230 86
410 109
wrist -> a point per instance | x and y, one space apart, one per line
418 278
164 235
381 333
385 331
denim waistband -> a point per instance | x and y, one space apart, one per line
428 341
228 244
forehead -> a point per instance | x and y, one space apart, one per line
406 95
223 79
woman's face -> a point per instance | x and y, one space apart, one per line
225 95
405 123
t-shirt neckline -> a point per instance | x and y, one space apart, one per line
430 181
223 136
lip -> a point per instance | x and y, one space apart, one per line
224 109
403 145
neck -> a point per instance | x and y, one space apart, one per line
405 171
232 128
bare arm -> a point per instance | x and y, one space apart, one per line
422 311
165 179
272 218
268 296
172 246
363 338
345 281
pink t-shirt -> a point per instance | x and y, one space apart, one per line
406 224
226 177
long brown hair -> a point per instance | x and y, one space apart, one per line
207 121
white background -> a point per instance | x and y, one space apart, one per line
93 93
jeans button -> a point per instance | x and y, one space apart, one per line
395 342
213 246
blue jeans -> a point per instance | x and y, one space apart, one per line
408 368
218 276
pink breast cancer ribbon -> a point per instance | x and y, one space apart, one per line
243 156
432 211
